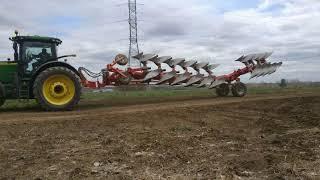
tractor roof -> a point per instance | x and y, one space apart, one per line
37 38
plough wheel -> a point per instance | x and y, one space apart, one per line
125 80
121 59
223 90
239 89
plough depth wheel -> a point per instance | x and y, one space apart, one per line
125 80
239 89
121 59
223 90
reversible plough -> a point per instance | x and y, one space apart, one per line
182 72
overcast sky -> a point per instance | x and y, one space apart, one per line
218 31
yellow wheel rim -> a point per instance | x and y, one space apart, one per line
58 90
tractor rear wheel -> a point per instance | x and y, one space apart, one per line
223 90
57 89
2 95
239 89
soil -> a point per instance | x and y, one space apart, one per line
255 137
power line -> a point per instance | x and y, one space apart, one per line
119 21
121 4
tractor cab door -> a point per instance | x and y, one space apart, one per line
34 54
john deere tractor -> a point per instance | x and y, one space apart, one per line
36 73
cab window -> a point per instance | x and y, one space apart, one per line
34 54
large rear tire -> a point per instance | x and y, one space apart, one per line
57 89
2 95
223 90
239 89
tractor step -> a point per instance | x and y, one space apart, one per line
23 94
24 89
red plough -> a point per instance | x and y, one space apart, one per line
112 75
192 73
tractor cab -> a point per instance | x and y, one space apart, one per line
30 52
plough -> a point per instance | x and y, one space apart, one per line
199 74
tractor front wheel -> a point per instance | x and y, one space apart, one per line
239 89
2 95
57 89
223 90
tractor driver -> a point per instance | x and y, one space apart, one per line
43 55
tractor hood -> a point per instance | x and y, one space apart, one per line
7 71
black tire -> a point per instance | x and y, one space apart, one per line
2 95
51 72
223 90
239 89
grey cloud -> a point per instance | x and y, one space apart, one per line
191 29
166 29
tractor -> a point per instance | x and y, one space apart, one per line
36 73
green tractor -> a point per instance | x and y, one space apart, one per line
36 73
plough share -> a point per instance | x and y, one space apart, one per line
181 72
